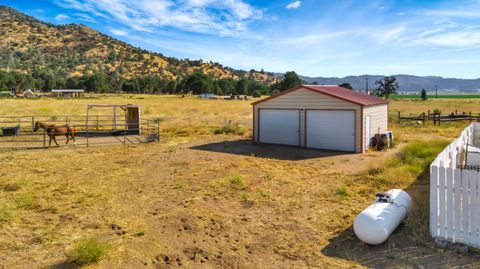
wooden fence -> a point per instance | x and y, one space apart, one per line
455 193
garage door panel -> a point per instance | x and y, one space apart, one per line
279 126
331 129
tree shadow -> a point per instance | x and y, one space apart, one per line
401 249
248 148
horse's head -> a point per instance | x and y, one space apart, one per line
37 126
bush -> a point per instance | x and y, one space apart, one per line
25 201
87 251
342 191
229 129
236 180
6 214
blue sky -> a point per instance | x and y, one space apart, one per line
314 38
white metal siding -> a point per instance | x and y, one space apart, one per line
378 118
331 129
306 99
367 132
280 126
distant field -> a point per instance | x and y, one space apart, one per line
440 96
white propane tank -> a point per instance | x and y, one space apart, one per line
377 222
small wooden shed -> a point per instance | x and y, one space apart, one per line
131 123
321 117
68 92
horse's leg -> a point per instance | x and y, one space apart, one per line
49 141
67 138
55 140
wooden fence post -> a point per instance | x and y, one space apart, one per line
398 117
33 123
44 139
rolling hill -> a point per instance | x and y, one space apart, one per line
74 50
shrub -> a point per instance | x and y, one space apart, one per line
230 129
6 214
140 233
236 180
342 191
87 251
25 200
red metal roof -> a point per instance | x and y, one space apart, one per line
345 94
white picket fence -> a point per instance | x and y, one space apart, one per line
455 193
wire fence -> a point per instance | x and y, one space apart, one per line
21 132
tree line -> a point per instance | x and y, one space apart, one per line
196 83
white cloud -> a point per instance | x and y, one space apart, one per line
61 17
294 5
227 17
458 39
85 17
453 13
119 32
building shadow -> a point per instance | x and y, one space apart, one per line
246 147
401 249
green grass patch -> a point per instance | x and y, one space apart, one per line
7 214
342 191
236 181
229 129
268 176
140 233
25 200
88 250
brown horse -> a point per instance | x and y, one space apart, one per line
53 131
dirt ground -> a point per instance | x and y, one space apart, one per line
216 202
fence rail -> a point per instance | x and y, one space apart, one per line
455 193
19 133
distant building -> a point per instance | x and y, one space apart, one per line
206 96
68 92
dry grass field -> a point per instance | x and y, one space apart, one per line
206 197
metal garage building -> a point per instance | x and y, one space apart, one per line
321 117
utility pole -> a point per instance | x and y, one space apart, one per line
366 84
436 91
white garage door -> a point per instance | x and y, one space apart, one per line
331 129
279 126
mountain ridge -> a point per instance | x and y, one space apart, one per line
28 44
407 83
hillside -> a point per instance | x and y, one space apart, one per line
27 45
407 83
